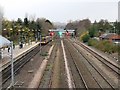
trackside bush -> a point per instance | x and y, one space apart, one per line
85 38
105 46
92 42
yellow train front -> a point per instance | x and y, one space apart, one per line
46 40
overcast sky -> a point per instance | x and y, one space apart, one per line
61 10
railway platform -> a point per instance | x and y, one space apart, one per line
16 52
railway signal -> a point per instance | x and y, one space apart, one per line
67 33
60 33
51 33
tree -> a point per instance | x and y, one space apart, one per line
19 21
6 24
118 29
101 25
107 26
44 25
26 22
38 25
32 25
80 26
85 38
92 31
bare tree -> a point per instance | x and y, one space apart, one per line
79 26
32 17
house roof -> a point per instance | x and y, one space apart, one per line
106 36
115 37
110 36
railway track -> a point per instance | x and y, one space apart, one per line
54 76
113 66
18 64
93 68
60 77
84 75
46 78
110 66
79 73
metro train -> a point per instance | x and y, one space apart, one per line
46 40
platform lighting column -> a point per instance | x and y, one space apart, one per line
19 36
23 36
40 43
40 40
36 39
11 30
12 66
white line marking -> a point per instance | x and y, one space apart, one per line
37 78
50 51
66 67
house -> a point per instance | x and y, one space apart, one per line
113 37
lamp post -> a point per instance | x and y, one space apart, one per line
20 29
19 36
32 35
36 39
38 35
13 29
23 35
29 37
4 31
12 66
40 40
11 37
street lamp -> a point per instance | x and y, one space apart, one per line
4 31
19 36
32 35
13 31
23 35
36 39
40 39
11 37
29 37
12 66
